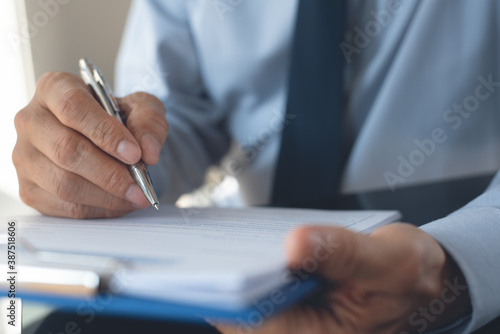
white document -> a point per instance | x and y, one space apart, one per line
212 256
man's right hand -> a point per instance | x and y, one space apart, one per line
70 154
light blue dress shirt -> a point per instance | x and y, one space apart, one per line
422 94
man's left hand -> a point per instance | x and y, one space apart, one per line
396 280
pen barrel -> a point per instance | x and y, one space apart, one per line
93 77
141 176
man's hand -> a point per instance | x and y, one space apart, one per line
397 280
70 154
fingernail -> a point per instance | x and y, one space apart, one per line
151 145
135 195
128 151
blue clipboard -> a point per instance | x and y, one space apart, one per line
127 306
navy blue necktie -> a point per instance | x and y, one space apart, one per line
308 168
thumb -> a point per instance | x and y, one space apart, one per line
334 253
144 115
396 252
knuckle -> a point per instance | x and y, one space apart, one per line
76 211
66 186
26 194
156 124
157 102
113 181
17 157
138 99
55 78
49 78
106 133
81 211
140 96
161 121
69 151
71 103
22 119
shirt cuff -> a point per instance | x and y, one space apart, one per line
457 327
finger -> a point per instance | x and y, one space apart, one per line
145 116
69 99
68 186
74 153
50 205
335 253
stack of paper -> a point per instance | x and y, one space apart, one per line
215 258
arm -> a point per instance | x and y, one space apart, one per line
159 56
470 236
401 279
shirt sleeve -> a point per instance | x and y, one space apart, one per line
158 56
471 236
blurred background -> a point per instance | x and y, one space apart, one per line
37 36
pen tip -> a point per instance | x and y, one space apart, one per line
157 207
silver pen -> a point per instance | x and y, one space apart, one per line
93 77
